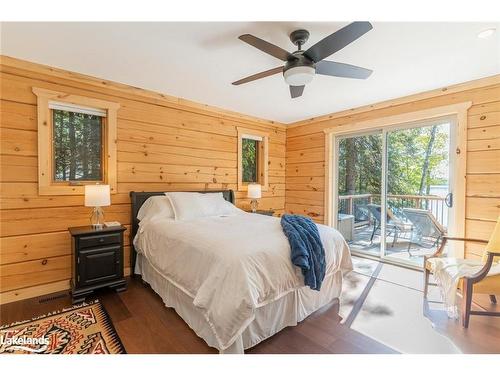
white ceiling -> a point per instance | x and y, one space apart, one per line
198 61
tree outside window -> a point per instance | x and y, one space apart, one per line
77 146
253 158
250 157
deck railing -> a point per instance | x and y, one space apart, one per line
356 205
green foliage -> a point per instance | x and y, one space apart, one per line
77 142
407 152
249 160
366 153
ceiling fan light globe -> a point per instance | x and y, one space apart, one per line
299 75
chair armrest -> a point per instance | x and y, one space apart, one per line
439 250
464 239
483 272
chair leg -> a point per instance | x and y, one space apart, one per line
375 227
409 243
426 280
436 243
466 302
493 299
409 246
395 236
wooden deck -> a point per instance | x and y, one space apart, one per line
399 252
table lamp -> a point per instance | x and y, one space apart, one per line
254 192
97 196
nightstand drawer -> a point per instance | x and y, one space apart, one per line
99 265
99 240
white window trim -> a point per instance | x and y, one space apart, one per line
77 109
253 137
458 111
47 100
244 133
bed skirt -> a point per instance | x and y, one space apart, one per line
269 319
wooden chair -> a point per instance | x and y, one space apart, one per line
478 283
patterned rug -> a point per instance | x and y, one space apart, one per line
82 329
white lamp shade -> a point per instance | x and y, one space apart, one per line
254 191
97 195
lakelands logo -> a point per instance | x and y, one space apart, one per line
20 343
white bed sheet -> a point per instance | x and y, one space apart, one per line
269 319
231 266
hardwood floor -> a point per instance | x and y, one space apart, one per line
385 302
381 306
145 325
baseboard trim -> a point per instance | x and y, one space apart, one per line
39 290
33 291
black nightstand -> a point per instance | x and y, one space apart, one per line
263 212
97 260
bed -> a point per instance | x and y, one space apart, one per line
233 297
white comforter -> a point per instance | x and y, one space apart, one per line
231 265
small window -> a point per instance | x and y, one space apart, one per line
77 140
252 158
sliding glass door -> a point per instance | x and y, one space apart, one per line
418 193
359 190
392 189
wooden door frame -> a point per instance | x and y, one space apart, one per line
458 182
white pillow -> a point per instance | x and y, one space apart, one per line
155 207
216 205
230 209
187 206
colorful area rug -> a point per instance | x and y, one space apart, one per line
82 329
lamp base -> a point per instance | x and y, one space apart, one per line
97 218
254 203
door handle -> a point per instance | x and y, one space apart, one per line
448 200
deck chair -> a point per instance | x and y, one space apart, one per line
480 282
394 225
425 225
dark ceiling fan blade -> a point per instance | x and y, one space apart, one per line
338 40
253 77
267 47
336 69
296 91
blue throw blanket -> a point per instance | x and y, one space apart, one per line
307 250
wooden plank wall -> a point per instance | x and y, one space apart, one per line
161 146
305 158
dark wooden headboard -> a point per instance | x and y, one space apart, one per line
137 199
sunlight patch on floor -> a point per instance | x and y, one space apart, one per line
385 302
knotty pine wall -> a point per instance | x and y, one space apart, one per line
305 157
164 144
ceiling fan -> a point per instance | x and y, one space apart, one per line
301 66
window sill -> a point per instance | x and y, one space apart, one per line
65 190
